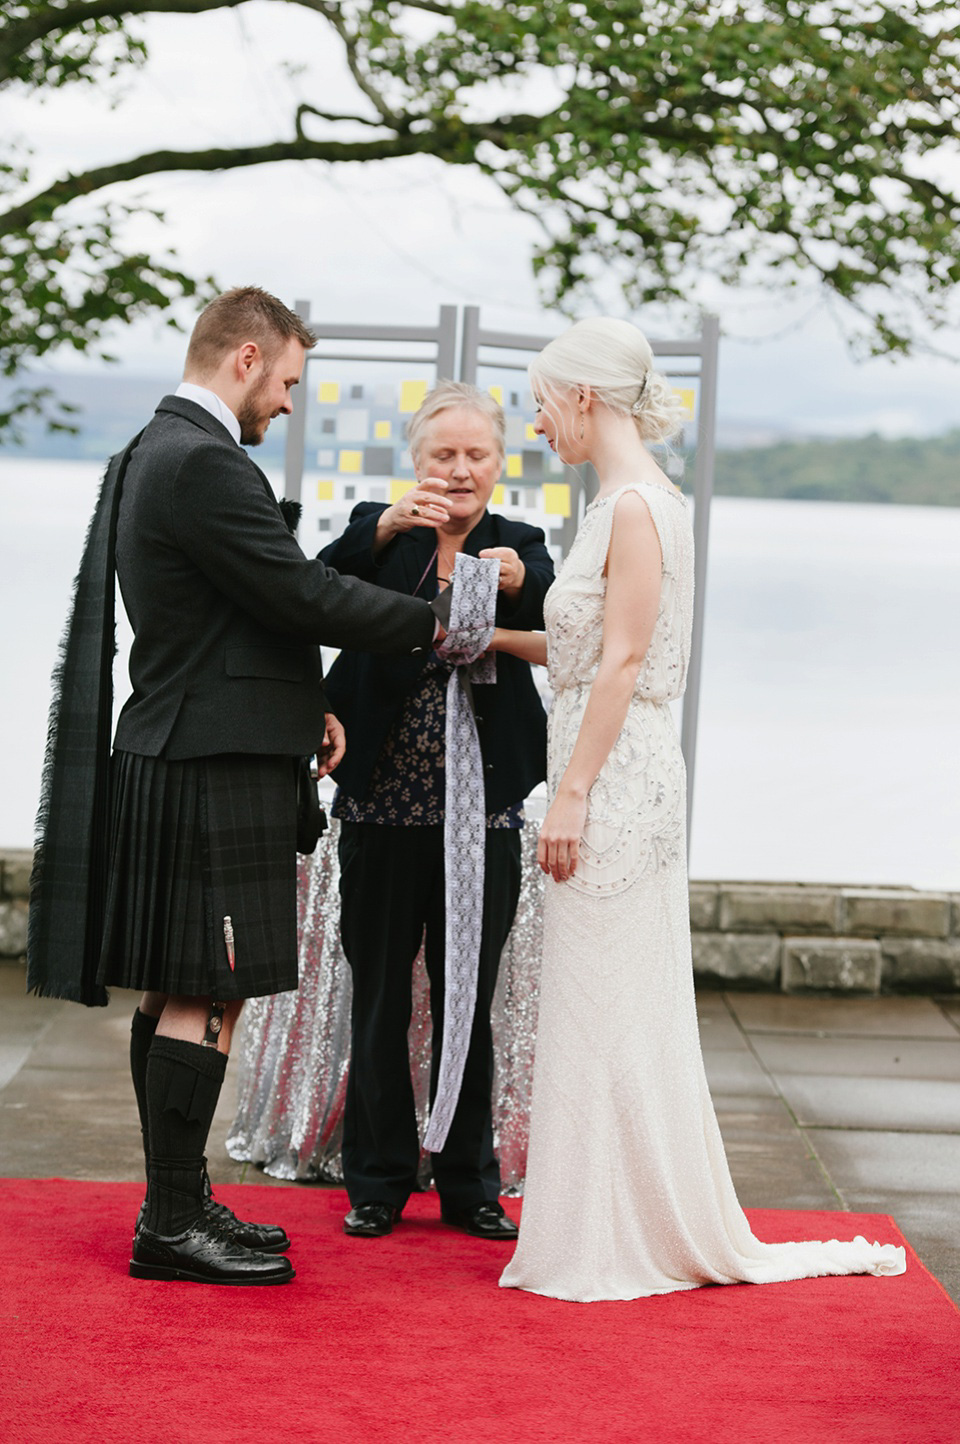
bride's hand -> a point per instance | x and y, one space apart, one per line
330 755
559 845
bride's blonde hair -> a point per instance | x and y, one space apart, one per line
614 359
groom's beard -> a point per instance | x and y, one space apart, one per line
251 415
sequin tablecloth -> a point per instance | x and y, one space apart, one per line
292 1050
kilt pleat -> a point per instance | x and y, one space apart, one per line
195 843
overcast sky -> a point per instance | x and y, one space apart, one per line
394 241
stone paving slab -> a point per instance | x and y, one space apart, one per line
951 1009
736 1072
851 1057
718 1027
928 1104
771 1161
861 1017
892 1164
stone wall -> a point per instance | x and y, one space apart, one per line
15 865
789 937
805 937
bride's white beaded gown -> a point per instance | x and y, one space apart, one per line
628 1192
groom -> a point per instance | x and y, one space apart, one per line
183 883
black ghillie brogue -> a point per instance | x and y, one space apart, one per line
262 1237
204 1254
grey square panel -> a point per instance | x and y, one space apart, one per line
516 431
532 465
378 460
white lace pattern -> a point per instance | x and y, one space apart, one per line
472 613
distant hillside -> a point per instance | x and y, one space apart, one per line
914 471
112 407
923 471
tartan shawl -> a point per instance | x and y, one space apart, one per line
69 879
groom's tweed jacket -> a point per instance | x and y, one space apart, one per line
226 609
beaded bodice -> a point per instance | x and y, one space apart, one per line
636 811
573 610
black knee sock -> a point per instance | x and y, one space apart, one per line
183 1085
142 1030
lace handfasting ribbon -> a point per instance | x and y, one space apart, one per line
472 614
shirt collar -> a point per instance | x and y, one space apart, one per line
211 402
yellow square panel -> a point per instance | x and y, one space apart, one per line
351 461
499 492
688 397
530 433
556 498
399 489
411 396
324 491
329 393
382 430
514 464
497 393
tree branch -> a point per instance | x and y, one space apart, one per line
17 35
305 109
41 206
331 9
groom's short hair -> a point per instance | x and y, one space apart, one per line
244 314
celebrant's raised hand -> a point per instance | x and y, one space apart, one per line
423 505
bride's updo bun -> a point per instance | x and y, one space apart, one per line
614 359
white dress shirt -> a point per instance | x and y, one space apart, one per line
211 402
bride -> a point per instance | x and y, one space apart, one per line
628 1192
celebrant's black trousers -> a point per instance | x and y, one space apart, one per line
391 888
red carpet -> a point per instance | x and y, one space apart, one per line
409 1339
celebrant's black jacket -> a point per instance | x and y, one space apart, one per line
367 693
226 609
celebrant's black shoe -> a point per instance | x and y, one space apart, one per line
204 1254
484 1220
371 1220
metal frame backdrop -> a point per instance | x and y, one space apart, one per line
492 358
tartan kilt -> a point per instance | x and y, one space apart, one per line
194 843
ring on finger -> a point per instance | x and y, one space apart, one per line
414 510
